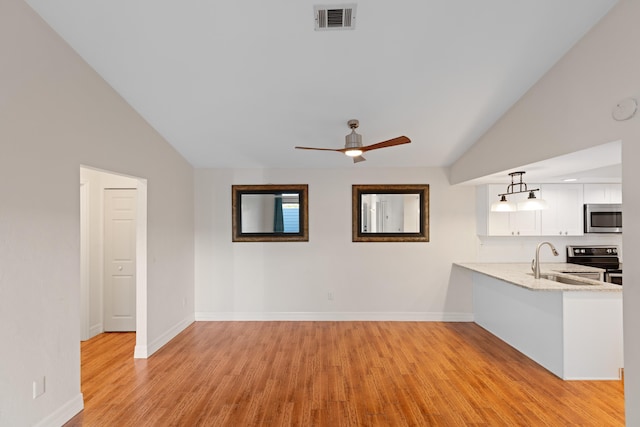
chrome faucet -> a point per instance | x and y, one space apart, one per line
535 264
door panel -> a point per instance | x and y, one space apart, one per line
121 302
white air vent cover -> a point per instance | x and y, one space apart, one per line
336 17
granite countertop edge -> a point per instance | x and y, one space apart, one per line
519 274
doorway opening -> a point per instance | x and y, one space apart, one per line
116 289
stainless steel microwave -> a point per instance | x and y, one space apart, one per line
603 218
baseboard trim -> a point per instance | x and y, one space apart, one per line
145 351
95 330
140 352
64 413
335 316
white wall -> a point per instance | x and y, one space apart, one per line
56 114
368 280
570 109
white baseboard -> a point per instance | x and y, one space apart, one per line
335 316
140 352
63 413
95 330
144 351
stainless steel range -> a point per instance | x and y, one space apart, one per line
600 256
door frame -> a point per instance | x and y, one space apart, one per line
85 191
141 348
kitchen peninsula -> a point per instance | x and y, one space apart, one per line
573 330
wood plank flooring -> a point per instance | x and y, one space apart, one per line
333 374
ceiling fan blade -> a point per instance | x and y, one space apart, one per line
358 159
341 150
389 143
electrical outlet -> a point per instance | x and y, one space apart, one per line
330 296
39 387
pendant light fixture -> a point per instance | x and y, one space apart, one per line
530 204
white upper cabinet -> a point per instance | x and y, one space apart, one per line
602 193
564 216
519 223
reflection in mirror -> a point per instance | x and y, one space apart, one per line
270 213
390 213
263 213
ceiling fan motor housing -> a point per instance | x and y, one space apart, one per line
353 140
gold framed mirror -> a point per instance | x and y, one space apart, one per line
270 213
390 213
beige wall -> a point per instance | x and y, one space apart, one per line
570 109
56 114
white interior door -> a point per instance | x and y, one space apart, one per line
120 260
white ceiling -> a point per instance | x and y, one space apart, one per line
240 83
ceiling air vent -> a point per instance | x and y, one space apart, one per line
336 17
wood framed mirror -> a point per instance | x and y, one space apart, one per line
390 213
270 213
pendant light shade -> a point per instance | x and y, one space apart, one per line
503 205
530 204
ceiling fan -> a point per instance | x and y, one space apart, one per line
353 144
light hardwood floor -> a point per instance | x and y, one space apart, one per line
333 374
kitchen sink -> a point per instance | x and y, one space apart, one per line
562 279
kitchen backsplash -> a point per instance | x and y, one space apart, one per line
522 249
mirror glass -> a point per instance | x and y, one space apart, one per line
264 213
390 213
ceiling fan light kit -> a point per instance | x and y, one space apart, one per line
530 204
353 144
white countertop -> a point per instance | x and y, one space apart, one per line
520 274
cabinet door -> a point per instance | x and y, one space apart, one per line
525 223
564 215
498 223
603 193
615 193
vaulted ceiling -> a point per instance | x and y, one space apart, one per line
240 83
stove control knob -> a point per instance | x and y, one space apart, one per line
609 250
614 251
